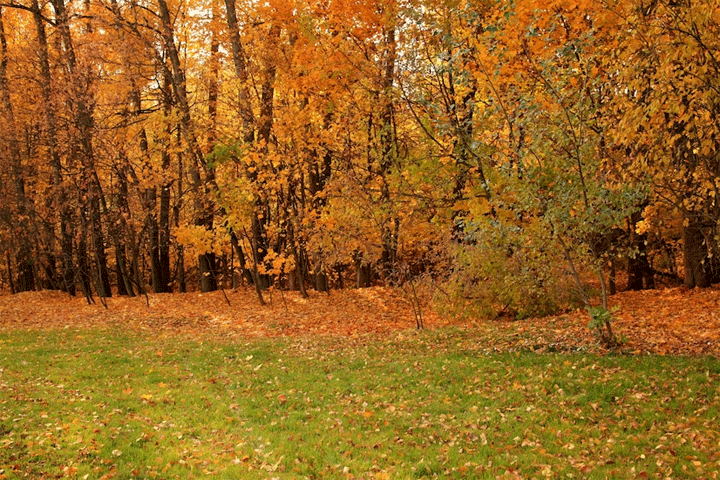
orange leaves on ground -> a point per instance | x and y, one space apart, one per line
673 321
349 312
670 321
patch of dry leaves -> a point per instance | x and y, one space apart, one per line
671 321
233 312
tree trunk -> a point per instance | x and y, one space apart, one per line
164 274
8 263
640 274
240 63
242 260
60 200
321 281
389 150
83 262
122 233
208 272
204 211
695 254
363 273
84 123
24 257
177 207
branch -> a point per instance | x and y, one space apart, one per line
32 10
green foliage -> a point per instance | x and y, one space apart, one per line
508 270
223 153
599 317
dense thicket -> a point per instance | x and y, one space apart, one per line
501 150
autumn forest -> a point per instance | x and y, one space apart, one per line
515 155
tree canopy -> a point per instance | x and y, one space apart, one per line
501 150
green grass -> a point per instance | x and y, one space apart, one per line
117 404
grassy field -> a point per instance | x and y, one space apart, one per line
109 403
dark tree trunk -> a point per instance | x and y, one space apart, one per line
321 281
177 207
695 254
60 200
388 142
164 275
208 272
260 248
363 274
50 268
151 225
181 279
123 273
84 123
640 273
11 282
83 263
242 260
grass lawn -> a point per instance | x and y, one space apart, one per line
110 403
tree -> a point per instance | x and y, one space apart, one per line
21 223
666 115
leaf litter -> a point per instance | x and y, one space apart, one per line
672 321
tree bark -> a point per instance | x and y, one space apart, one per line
389 152
240 63
640 274
204 211
24 258
61 199
695 254
84 123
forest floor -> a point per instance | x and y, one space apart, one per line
673 321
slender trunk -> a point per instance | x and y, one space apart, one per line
61 199
208 261
204 209
240 63
123 273
82 257
180 250
363 272
267 95
213 83
24 257
389 151
298 258
151 226
164 275
242 261
8 263
84 123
